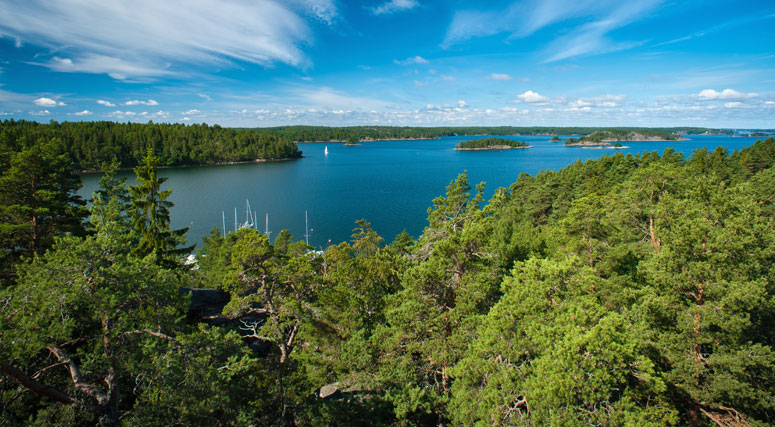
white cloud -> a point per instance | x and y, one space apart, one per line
185 119
726 94
769 102
393 6
735 104
191 112
496 76
607 100
39 113
83 113
48 102
532 97
326 99
579 103
412 60
462 104
150 102
116 68
105 103
522 18
151 38
447 78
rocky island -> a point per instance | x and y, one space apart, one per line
608 136
490 144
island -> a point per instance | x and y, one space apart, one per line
607 136
490 144
555 138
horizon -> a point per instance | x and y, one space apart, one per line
527 63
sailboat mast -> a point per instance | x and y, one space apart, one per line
223 219
235 220
306 227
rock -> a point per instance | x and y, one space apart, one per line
330 391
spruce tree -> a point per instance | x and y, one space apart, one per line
150 215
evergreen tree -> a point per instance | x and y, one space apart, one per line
150 214
37 202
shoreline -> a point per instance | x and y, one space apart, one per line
199 165
607 142
492 148
334 141
604 147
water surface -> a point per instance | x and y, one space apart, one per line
389 183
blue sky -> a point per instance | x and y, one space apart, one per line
390 62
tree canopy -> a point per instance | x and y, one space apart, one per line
625 290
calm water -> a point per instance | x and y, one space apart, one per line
389 183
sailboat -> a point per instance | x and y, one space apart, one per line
326 150
249 220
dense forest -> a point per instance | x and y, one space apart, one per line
626 290
90 144
489 143
365 133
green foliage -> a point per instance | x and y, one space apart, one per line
38 201
626 290
150 216
490 143
91 144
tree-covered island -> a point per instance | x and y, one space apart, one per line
608 136
490 144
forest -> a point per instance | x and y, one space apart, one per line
365 133
90 144
625 290
489 143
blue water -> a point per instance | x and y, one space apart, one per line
389 183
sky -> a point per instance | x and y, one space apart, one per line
258 63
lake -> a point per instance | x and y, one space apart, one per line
389 183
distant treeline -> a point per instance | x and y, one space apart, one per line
90 144
490 142
361 133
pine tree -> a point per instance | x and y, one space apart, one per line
37 202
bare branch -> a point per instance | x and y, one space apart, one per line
152 333
78 380
37 387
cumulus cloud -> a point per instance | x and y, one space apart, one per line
138 102
40 113
152 37
598 101
496 76
412 60
48 102
83 113
532 98
462 104
726 94
735 104
393 6
105 103
191 112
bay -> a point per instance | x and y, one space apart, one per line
389 183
